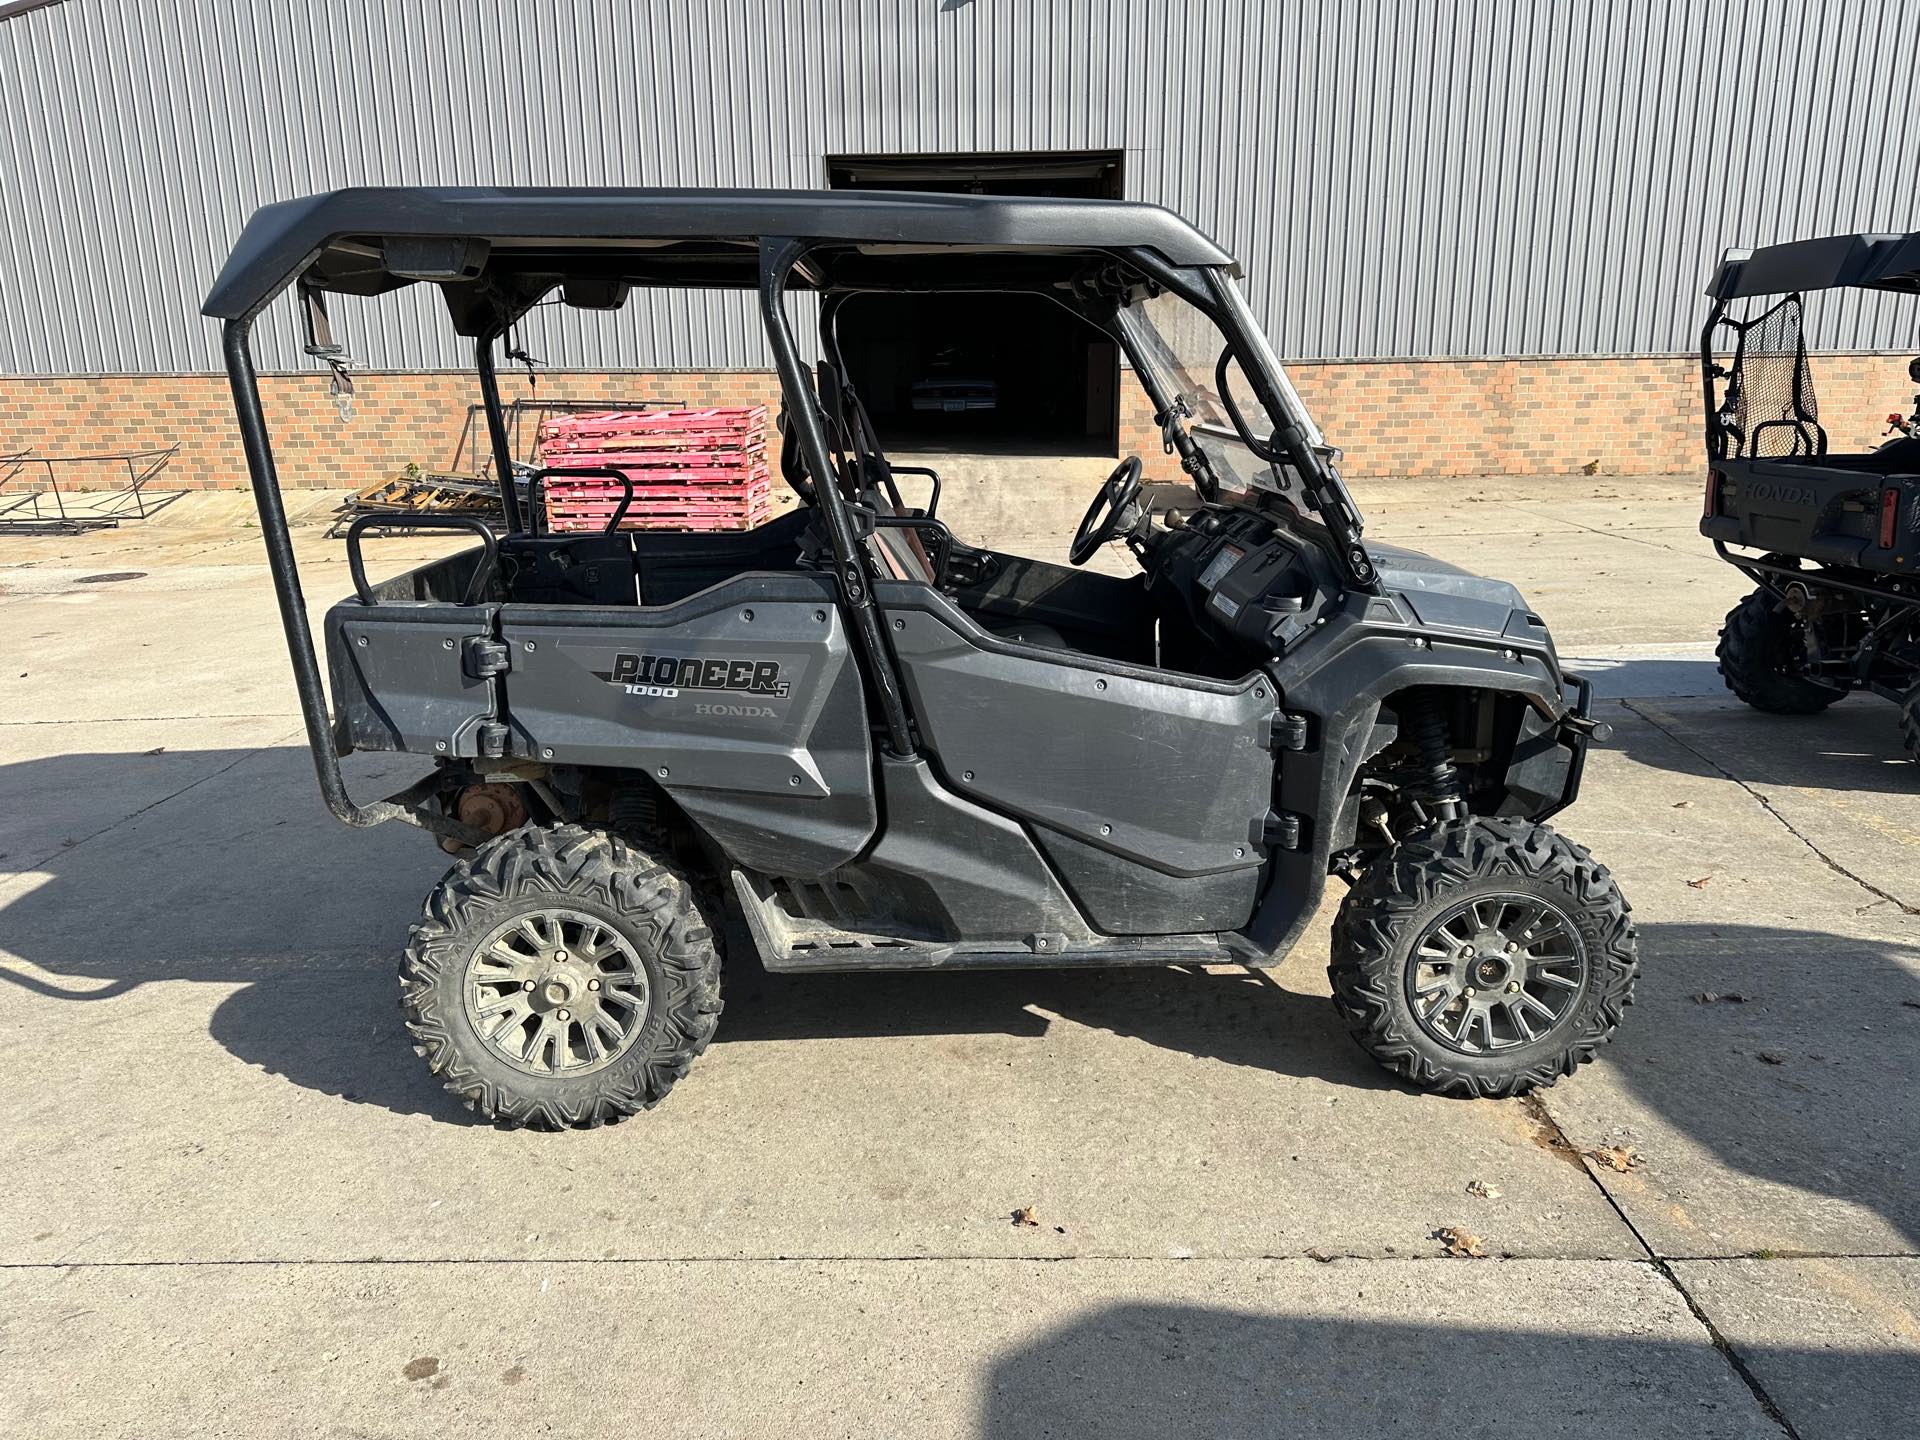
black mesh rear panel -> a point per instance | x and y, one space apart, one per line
1768 406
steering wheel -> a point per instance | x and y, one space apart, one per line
1104 518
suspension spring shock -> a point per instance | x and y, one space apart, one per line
634 811
1424 723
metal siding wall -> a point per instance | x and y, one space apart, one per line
1413 178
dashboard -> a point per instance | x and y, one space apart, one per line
1243 577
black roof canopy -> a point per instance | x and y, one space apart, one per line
494 250
1872 262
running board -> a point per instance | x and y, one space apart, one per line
820 939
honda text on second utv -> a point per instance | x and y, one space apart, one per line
1831 541
856 742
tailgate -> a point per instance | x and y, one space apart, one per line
1818 512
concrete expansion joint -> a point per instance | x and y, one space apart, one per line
1728 1353
1536 1107
241 759
1605 534
158 719
1767 805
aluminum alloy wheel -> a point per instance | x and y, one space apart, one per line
556 992
1496 972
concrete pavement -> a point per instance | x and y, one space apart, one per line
236 1204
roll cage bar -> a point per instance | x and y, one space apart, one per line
485 306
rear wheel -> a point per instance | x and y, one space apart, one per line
560 977
1910 722
1485 958
1763 656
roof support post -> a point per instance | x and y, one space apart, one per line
497 429
778 256
286 582
1709 372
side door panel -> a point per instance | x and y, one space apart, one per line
1148 793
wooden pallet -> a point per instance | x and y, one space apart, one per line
668 425
682 515
657 458
715 473
690 469
420 492
425 492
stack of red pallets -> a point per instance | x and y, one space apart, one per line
691 469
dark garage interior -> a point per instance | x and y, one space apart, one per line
1012 373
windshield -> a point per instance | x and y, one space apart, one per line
1182 346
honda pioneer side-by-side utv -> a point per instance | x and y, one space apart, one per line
857 742
1831 541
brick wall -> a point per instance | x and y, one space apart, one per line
397 417
1392 417
1620 416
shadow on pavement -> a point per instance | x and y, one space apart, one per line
1241 1017
339 1031
243 882
1150 1370
1854 746
1649 677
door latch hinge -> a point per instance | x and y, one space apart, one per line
491 738
485 657
1286 732
1280 831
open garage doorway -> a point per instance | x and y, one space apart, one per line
1013 374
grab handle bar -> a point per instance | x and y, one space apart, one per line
475 586
604 471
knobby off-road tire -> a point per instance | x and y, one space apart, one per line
1761 649
1910 723
634 949
1475 887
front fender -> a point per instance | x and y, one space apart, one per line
1336 677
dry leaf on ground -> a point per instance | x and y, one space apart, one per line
1699 884
1462 1243
1683 804
1025 1216
1767 1057
1716 997
1481 1190
1616 1157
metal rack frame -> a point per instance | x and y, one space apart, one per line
129 502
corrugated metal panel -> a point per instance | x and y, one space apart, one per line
1414 178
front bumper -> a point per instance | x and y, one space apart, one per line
1576 730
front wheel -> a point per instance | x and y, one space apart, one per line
1486 958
